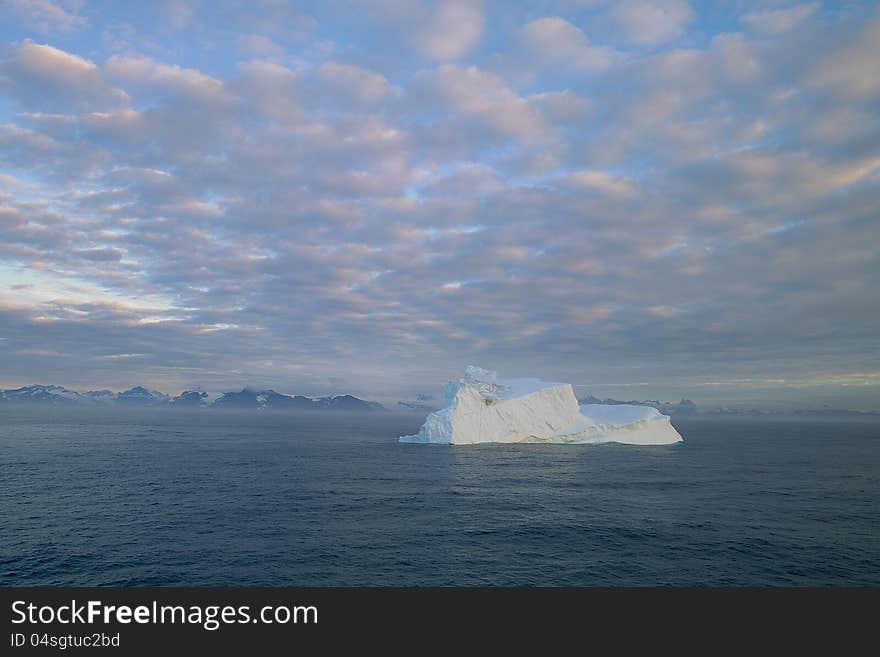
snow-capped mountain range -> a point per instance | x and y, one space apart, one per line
139 396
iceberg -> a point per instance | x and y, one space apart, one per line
481 408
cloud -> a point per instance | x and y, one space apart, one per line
598 181
450 31
42 76
47 16
651 22
467 179
354 83
272 88
177 13
556 41
481 98
260 45
171 80
776 21
847 69
737 60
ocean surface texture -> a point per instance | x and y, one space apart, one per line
213 498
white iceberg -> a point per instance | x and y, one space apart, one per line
481 408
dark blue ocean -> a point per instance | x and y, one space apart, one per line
221 498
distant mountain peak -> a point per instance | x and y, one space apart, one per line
270 399
40 393
141 395
190 399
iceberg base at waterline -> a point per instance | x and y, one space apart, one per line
481 408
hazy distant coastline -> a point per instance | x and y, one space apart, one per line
141 397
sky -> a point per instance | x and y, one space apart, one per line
648 199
